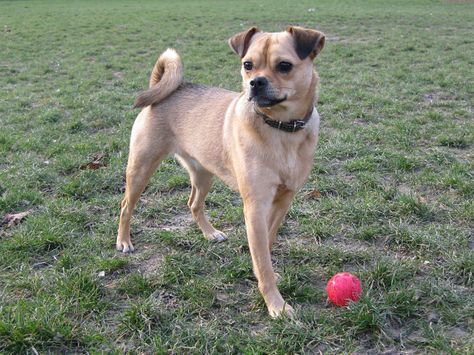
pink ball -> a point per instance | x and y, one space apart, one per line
342 288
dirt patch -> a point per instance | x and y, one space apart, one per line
348 244
151 265
436 98
457 333
258 329
177 223
169 299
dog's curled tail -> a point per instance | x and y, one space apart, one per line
165 78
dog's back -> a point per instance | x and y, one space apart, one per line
192 115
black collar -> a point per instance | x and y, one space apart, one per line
289 126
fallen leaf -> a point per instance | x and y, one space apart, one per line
315 193
96 163
12 219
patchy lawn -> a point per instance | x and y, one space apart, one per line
390 197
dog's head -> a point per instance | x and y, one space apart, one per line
277 68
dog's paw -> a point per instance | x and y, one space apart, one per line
282 311
124 246
216 236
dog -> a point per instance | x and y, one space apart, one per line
260 141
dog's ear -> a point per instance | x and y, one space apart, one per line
308 43
241 41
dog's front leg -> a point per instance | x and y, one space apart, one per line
280 207
256 212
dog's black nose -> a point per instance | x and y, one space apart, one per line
258 82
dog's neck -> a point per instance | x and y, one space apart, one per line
287 126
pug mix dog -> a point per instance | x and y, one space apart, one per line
260 142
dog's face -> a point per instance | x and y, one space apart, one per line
277 68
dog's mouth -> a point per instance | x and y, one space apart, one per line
265 101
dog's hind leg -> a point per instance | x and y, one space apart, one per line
138 177
146 153
201 182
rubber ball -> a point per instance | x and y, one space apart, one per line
343 288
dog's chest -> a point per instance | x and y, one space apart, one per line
294 160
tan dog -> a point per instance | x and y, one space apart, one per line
260 141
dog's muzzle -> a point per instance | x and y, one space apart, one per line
262 93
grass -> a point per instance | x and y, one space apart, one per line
393 174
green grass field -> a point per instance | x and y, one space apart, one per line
390 198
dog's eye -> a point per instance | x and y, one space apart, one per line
284 67
248 65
